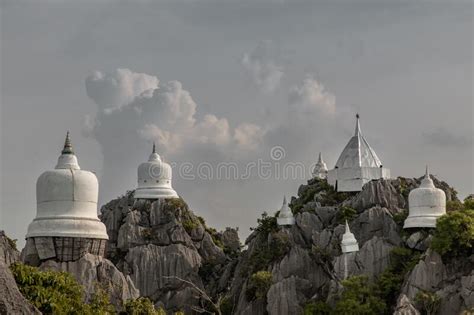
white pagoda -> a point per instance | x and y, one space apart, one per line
285 217
154 179
349 243
66 225
357 165
426 204
320 169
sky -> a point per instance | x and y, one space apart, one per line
239 96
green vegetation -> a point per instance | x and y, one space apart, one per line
259 284
141 306
428 302
12 243
266 225
469 203
346 213
400 217
454 234
227 306
55 292
389 282
189 225
177 203
317 308
359 297
454 205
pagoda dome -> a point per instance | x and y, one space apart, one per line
349 243
67 201
285 216
426 204
154 179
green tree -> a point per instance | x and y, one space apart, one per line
454 234
429 302
258 285
141 306
359 297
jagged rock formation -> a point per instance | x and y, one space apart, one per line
11 300
306 263
160 243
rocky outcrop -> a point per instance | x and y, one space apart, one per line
164 247
92 271
11 299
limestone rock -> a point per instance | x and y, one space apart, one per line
285 297
11 300
379 193
374 256
8 253
405 307
308 223
378 222
91 270
230 239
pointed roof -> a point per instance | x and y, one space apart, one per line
427 182
154 156
358 152
67 145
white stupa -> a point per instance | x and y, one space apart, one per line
66 223
285 217
426 204
320 169
349 243
357 165
154 179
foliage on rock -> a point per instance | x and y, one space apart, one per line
141 306
428 302
258 285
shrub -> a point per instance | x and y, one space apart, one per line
177 203
12 243
469 203
454 234
346 213
428 302
227 306
189 225
266 225
400 217
454 205
259 284
100 303
317 308
141 306
359 296
50 291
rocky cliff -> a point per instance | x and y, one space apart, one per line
304 263
169 252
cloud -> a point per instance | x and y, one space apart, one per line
311 98
261 67
166 115
119 88
445 138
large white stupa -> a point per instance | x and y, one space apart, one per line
426 204
154 179
320 169
66 223
357 165
285 216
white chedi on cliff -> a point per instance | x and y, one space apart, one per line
320 169
349 243
154 179
357 165
426 204
285 216
66 225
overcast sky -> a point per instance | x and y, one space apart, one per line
232 82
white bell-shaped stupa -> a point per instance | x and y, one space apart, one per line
154 179
66 226
67 201
349 243
357 165
426 204
320 169
285 217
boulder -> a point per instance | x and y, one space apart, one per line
378 222
285 297
8 252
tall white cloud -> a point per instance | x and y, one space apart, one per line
262 68
311 98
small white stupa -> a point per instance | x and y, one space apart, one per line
357 165
349 243
320 169
66 224
285 217
154 179
426 204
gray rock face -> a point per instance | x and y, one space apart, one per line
308 223
374 256
380 193
161 244
90 271
405 307
285 297
11 300
376 222
8 253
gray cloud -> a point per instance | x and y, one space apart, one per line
444 138
261 66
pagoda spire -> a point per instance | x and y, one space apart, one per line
347 228
427 172
284 200
320 158
154 147
357 129
67 145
